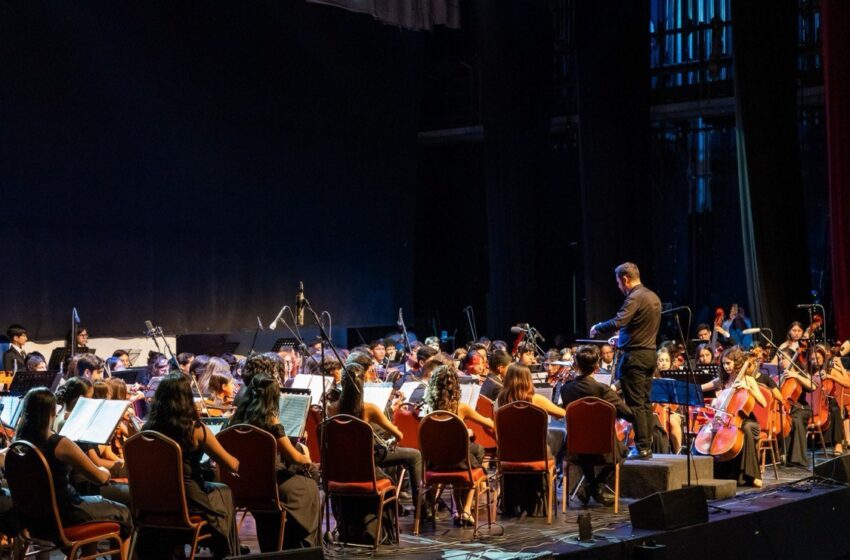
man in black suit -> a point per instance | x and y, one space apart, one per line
499 362
587 360
15 359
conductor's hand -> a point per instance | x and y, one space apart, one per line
593 331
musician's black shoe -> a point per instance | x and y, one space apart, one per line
602 496
405 495
582 494
641 454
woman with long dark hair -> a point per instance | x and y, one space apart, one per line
173 414
298 491
64 456
67 396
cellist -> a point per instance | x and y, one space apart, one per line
800 413
831 370
744 467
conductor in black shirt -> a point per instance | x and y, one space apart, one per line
638 320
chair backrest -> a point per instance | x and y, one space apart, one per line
763 413
349 452
31 486
406 419
484 436
521 430
155 474
311 429
444 441
590 427
255 487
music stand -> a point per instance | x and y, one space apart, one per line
129 375
26 380
284 344
675 391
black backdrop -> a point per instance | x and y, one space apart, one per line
190 162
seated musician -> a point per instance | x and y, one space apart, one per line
443 393
607 353
184 362
81 342
801 412
351 402
703 332
705 357
36 362
214 366
157 367
586 361
475 366
791 343
123 356
298 491
499 362
413 369
67 396
829 367
745 466
265 364
527 354
222 388
64 457
173 414
667 416
90 367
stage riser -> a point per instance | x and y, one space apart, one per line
639 479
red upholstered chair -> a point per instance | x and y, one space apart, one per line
522 429
484 436
255 488
406 419
445 445
590 433
311 429
767 437
31 486
348 466
157 491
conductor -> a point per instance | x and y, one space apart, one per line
638 320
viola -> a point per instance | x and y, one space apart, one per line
722 436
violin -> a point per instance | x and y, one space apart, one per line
722 437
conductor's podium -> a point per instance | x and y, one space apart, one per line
640 478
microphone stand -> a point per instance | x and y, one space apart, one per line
256 332
470 318
691 382
192 381
73 334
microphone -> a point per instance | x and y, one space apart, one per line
806 305
273 324
151 330
259 324
400 321
75 316
521 328
675 309
300 303
751 331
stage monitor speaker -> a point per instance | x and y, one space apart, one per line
837 469
670 510
315 553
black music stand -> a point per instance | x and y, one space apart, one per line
284 344
26 380
129 375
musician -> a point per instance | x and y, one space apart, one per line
527 354
67 396
36 362
704 332
519 386
433 342
64 456
829 367
638 320
587 362
351 403
801 412
15 358
215 366
222 388
157 367
499 362
606 351
298 491
792 339
81 343
443 393
392 351
123 356
745 466
184 362
114 363
669 421
705 357
413 369
90 367
475 366
173 414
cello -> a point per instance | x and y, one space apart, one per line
722 436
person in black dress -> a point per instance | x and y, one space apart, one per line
173 414
637 320
298 490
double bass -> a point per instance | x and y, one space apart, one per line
722 436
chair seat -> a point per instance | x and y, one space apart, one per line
525 466
90 530
455 477
382 485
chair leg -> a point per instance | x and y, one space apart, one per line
490 505
195 540
549 478
380 521
475 499
132 549
417 514
774 451
281 530
617 487
565 486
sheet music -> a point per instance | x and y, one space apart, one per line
408 388
292 413
377 394
604 378
314 383
469 394
94 420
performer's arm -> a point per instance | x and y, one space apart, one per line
624 315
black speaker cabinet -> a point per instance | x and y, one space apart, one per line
294 554
670 510
837 469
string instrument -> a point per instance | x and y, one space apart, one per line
722 437
719 315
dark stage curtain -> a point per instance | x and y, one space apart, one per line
515 46
836 76
772 211
612 40
409 14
